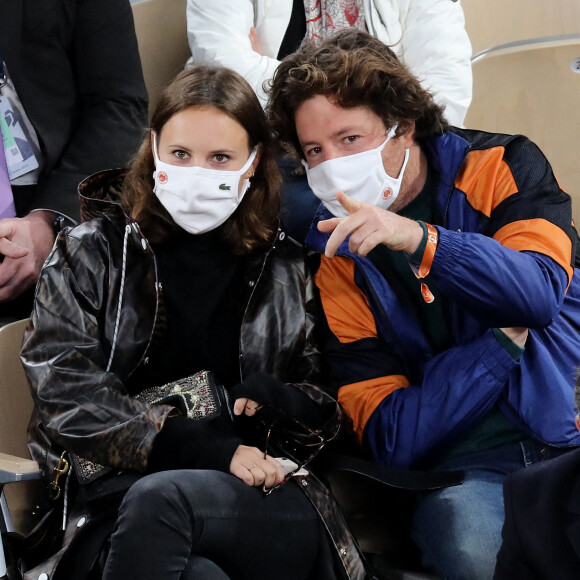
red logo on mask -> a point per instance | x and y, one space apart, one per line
387 193
162 177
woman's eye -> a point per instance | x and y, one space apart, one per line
221 158
313 151
180 154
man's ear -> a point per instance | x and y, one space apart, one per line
408 138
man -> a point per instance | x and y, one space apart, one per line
541 533
72 101
447 283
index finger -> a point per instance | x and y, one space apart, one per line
350 204
342 227
346 227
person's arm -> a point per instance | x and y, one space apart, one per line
498 285
219 33
402 406
83 406
437 49
402 423
111 102
24 244
110 116
516 271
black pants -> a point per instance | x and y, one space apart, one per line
194 524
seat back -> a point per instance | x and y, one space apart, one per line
15 400
15 410
533 89
161 31
490 23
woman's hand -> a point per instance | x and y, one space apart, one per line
254 468
255 42
246 406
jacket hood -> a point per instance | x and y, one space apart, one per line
101 192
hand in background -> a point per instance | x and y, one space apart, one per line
25 243
255 41
251 466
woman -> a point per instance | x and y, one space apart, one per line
182 269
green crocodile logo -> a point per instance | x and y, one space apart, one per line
225 187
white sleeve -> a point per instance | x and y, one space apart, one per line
218 33
437 49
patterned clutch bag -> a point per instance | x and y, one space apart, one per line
197 397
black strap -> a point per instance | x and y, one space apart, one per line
407 479
349 554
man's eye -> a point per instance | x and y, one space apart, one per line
351 138
314 151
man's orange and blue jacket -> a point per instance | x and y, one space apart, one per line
505 258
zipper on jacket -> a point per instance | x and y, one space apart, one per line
253 285
120 302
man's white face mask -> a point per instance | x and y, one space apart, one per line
199 199
361 176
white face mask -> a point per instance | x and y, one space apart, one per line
361 176
198 199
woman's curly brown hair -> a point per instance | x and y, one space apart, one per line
255 221
351 69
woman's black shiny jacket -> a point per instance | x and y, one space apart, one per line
98 311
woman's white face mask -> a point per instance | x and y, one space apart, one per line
198 199
361 176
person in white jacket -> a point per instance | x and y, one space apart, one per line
251 36
429 36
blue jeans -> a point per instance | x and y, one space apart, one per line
208 525
458 529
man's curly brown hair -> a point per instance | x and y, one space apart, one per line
351 69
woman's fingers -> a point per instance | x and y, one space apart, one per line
250 465
246 406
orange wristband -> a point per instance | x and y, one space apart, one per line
427 261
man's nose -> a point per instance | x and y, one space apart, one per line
331 152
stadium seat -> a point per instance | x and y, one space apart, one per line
496 22
533 88
162 36
16 467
